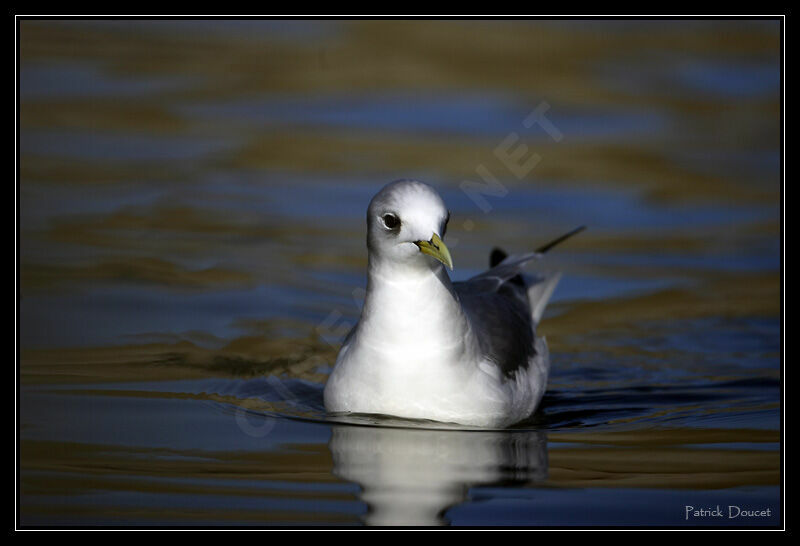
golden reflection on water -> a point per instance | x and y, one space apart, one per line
404 482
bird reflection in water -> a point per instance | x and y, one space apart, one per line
413 476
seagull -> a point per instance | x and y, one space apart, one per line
427 348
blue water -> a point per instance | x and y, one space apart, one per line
192 252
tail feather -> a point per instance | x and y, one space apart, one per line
539 293
504 268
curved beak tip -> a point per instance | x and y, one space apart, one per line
437 249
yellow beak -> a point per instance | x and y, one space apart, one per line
436 248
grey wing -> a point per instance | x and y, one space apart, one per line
504 305
503 323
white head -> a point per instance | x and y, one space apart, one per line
406 222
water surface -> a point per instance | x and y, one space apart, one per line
191 201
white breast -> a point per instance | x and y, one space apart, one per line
414 354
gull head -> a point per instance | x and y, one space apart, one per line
406 222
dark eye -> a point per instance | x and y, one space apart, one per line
391 221
447 220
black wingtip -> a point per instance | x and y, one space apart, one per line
544 248
497 256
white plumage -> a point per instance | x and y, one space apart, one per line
427 348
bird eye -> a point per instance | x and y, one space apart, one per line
391 221
446 221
